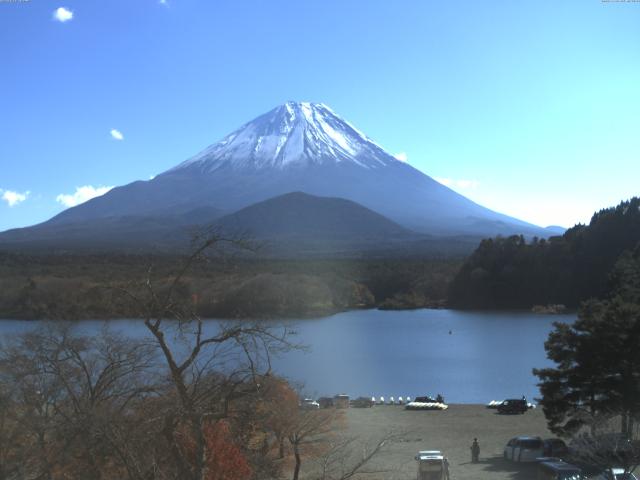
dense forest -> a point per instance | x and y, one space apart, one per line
515 273
510 272
87 286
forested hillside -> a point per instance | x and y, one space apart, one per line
513 273
86 286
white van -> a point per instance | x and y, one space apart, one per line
432 465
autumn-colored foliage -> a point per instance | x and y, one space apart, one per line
225 461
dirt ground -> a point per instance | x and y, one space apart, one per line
450 431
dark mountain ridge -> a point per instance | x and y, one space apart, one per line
298 214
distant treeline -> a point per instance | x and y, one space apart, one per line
88 286
513 273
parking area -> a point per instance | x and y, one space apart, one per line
452 432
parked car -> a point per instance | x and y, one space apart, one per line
309 404
513 405
341 400
621 475
558 470
432 465
555 447
325 402
523 449
362 402
616 474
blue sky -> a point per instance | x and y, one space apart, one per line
529 107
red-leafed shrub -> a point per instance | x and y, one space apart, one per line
225 461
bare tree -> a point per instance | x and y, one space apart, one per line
9 434
76 397
348 457
210 365
308 431
193 400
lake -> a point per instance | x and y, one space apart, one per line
467 356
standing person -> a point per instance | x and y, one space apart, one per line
475 451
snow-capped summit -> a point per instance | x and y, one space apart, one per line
296 147
293 134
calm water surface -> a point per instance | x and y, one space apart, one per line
486 356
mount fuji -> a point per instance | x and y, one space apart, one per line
296 147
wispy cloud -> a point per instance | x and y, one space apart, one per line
461 184
62 14
402 156
164 2
13 198
81 195
117 134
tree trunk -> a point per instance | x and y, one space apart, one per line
45 459
281 448
296 453
168 431
201 458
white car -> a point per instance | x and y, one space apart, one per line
309 404
432 465
524 449
616 474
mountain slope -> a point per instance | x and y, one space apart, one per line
301 215
133 233
297 147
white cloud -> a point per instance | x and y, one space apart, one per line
461 184
13 198
447 182
116 134
402 156
62 14
81 195
163 2
466 183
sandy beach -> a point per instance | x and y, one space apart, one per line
450 431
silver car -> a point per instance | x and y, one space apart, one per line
616 474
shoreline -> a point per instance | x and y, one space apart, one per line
301 316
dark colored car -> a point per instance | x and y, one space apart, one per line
558 470
362 402
554 447
513 405
325 402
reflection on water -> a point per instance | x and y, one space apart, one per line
469 357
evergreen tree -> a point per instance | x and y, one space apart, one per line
597 372
513 273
